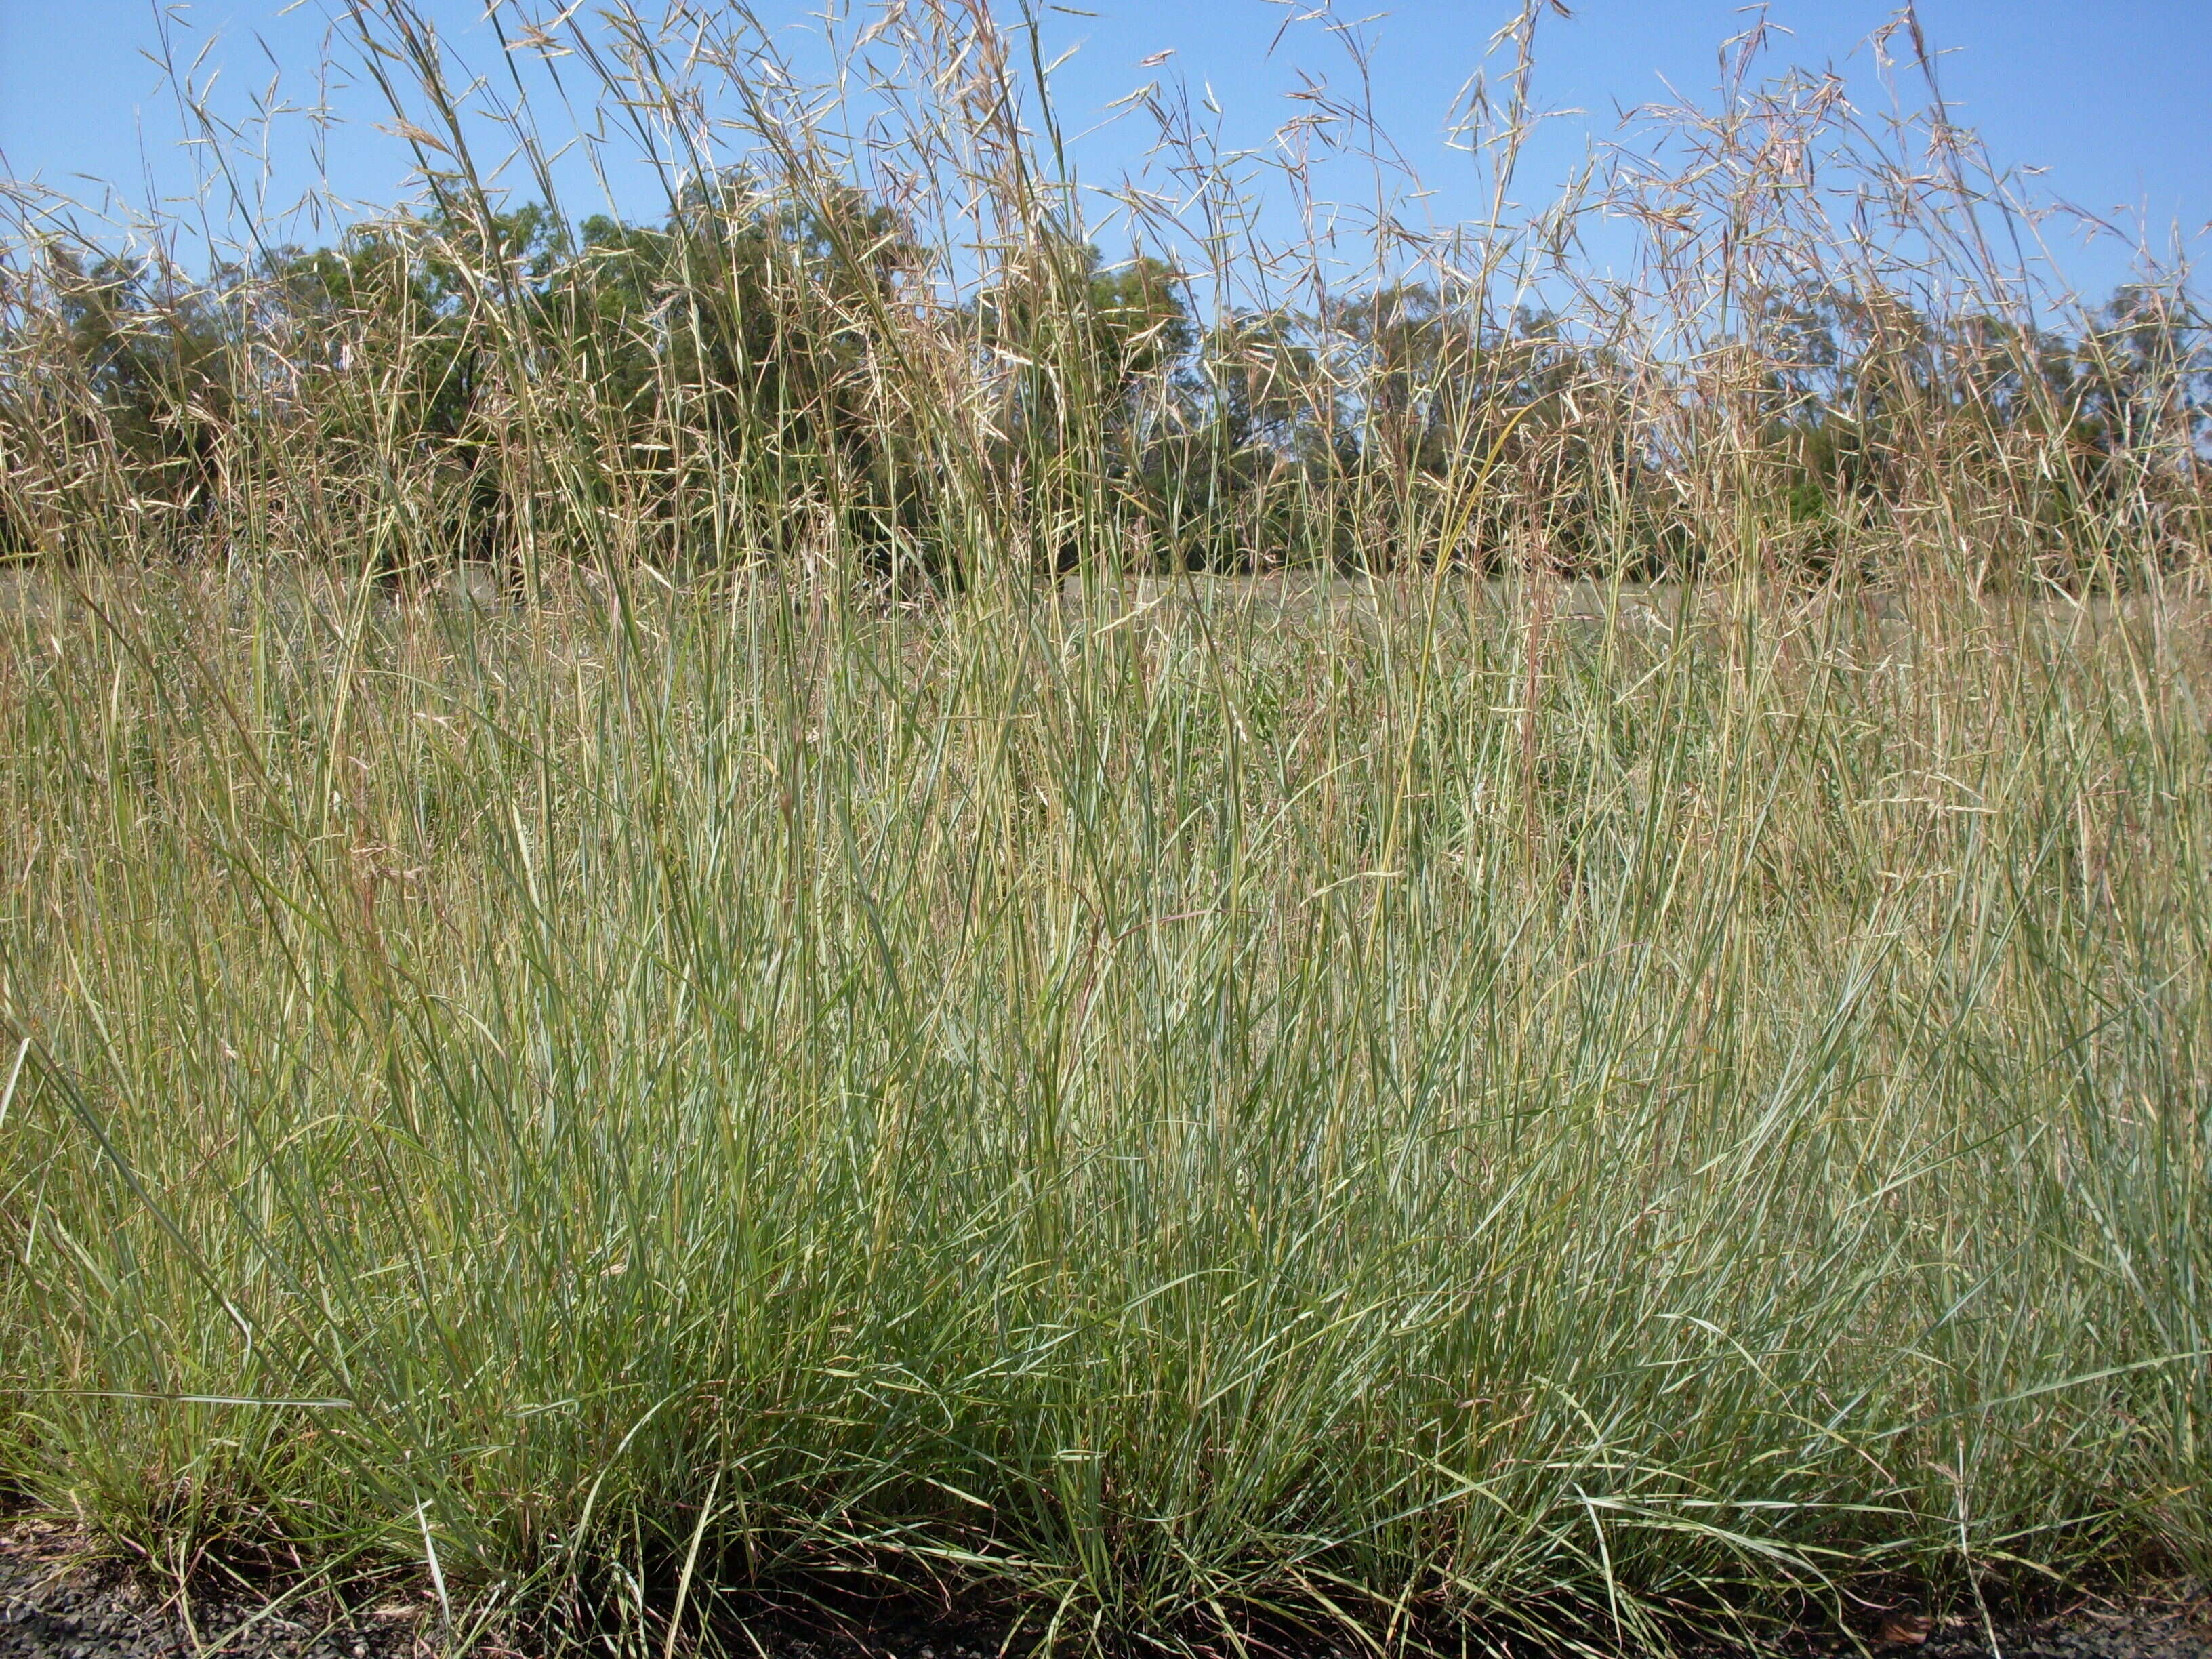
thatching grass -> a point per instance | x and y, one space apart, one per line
813 1026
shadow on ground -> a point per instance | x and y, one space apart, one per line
60 1601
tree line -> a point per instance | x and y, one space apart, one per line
768 373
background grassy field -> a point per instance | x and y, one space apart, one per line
764 906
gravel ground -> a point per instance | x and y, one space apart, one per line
2144 1632
57 1602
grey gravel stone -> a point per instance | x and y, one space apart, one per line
56 1604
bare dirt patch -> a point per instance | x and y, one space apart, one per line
59 1600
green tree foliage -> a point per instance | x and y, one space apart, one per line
740 334
1088 365
732 337
116 375
745 379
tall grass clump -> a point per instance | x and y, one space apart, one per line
822 899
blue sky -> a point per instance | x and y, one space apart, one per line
2109 98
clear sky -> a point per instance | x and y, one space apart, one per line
2113 97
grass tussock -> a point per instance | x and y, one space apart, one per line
1167 1120
749 905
